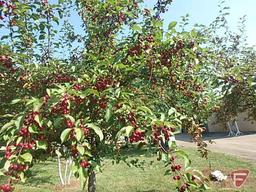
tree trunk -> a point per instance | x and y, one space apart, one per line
92 182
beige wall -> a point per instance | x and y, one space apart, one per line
243 124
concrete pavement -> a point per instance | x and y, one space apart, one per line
242 146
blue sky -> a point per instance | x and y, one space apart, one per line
205 11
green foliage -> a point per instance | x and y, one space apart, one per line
137 90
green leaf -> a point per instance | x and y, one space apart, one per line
137 28
145 109
18 122
172 25
125 131
88 92
27 157
22 177
187 161
82 177
108 114
71 118
96 129
41 145
81 150
7 165
19 140
33 129
48 91
15 101
78 134
7 126
37 119
172 111
64 135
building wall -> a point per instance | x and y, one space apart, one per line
243 124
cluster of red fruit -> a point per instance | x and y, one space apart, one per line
135 51
177 168
84 163
167 54
17 167
77 87
137 136
6 62
231 79
74 151
63 106
8 152
30 118
6 188
69 123
24 132
121 18
7 9
26 145
103 103
131 118
51 80
138 48
62 78
159 131
86 130
103 83
183 187
45 2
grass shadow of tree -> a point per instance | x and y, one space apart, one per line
41 176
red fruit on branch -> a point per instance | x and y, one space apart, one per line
103 83
178 167
137 136
74 151
46 98
175 168
17 167
180 44
159 131
77 87
69 123
177 177
84 164
103 103
150 38
86 131
121 17
6 188
173 158
2 3
8 155
24 132
135 51
6 61
183 188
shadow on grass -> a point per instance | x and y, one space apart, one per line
40 180
39 176
152 190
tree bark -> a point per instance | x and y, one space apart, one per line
92 182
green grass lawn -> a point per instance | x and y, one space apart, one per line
121 178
